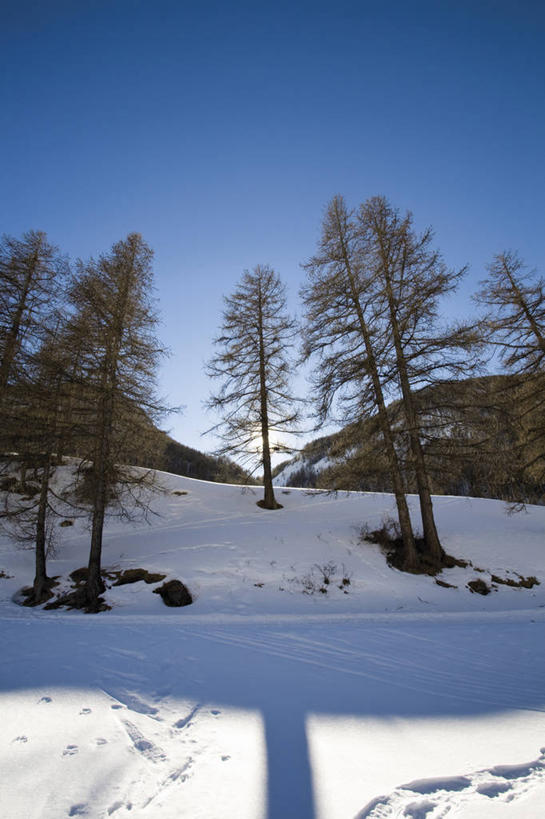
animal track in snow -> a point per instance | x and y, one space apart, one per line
502 782
22 738
117 805
78 810
45 699
70 750
101 741
85 711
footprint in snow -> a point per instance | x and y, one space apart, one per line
22 738
117 707
117 805
85 711
503 783
78 810
45 699
215 712
143 745
101 741
493 789
225 758
70 750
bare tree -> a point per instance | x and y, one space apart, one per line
31 272
41 420
409 278
341 331
372 304
254 399
31 276
514 298
113 329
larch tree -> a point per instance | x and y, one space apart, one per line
42 420
340 332
514 299
254 400
372 310
113 329
409 278
32 273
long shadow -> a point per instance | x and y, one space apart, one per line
402 669
289 780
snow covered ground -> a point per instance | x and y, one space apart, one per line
389 696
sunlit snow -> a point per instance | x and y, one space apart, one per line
267 697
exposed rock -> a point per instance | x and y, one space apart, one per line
444 584
174 593
521 583
478 586
78 599
134 575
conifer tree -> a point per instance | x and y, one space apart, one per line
409 277
31 273
372 309
42 419
514 298
341 332
113 330
254 399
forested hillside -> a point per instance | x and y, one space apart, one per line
472 446
164 453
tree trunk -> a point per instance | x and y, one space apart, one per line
410 558
102 467
94 586
269 501
431 537
42 582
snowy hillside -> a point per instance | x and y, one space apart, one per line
275 694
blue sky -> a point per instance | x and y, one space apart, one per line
220 130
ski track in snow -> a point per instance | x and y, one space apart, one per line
380 662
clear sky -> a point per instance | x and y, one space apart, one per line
219 130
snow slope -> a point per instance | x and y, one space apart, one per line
268 698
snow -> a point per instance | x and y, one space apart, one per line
285 474
266 697
299 462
